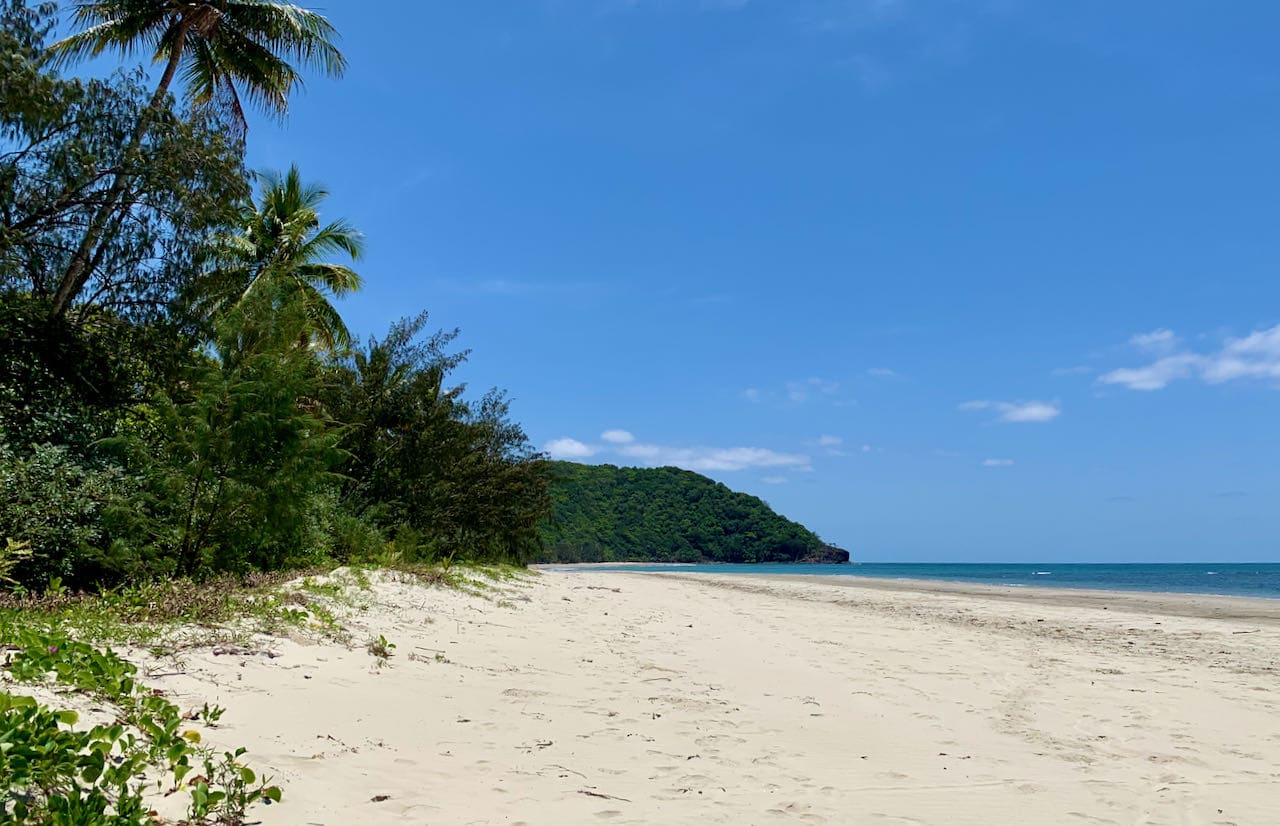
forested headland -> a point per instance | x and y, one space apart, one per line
602 513
179 394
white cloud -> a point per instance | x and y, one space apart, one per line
569 449
774 480
713 458
867 448
997 463
881 372
1256 356
751 394
622 444
1157 341
1155 375
830 441
1019 412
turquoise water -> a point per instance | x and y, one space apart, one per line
1233 579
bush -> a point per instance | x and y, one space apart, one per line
68 512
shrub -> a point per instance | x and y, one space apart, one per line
67 511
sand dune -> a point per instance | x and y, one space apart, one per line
590 697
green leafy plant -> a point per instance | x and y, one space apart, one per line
12 555
52 773
382 649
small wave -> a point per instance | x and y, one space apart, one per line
1210 573
1042 573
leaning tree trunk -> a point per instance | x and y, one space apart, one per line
80 268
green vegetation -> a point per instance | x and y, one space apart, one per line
602 513
179 394
53 773
184 414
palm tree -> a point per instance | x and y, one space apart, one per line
226 50
276 259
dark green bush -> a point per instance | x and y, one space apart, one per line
69 511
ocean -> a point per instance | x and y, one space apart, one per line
1227 579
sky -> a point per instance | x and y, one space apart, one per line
944 280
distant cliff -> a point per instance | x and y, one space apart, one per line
602 513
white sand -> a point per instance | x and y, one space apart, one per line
686 699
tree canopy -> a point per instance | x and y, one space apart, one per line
179 394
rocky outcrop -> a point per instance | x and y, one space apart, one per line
826 555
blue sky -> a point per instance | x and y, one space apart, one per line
971 280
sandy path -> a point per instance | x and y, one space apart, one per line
591 697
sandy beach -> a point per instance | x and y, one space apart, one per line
604 697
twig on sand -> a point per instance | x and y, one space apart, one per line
566 769
602 795
244 652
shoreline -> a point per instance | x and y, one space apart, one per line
1172 603
1166 603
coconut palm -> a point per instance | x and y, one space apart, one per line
276 259
225 51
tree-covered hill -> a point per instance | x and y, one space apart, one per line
603 513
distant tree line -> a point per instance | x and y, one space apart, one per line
602 513
178 394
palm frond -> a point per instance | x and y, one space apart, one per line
263 77
338 236
337 279
124 34
303 35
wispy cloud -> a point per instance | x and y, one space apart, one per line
774 480
622 445
1255 356
1157 341
802 391
998 463
1018 412
831 445
881 373
713 458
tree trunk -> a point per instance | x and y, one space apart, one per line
80 268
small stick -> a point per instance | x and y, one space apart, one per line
600 795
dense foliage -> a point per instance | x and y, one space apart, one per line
179 396
602 513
